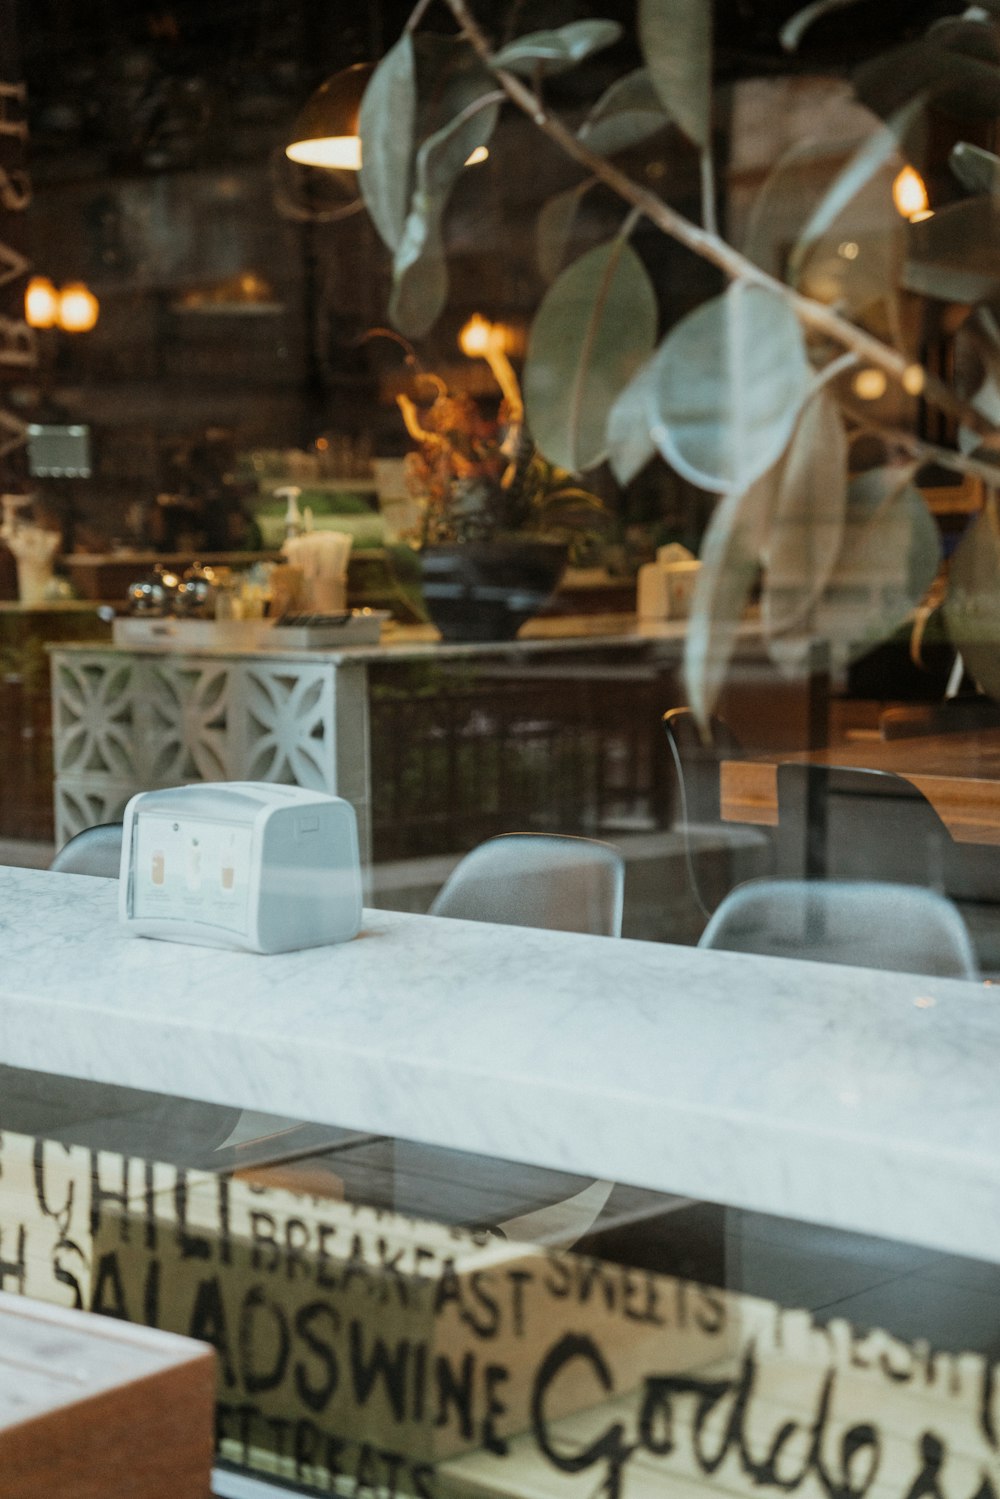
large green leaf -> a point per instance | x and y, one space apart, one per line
386 126
676 40
952 255
630 445
807 526
730 562
555 226
556 51
879 221
595 326
796 27
888 560
976 169
972 606
419 272
730 380
629 112
966 87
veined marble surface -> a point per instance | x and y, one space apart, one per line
864 1100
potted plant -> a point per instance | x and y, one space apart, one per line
759 392
497 521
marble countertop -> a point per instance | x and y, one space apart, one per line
864 1100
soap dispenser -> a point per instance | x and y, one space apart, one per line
293 517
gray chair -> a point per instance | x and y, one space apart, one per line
538 879
717 854
96 850
870 924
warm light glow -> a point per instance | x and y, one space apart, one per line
41 303
478 336
870 385
78 308
337 152
909 194
481 153
848 249
914 380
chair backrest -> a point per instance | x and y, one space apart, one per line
846 824
729 854
696 762
868 924
538 879
96 850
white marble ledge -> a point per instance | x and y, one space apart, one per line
865 1100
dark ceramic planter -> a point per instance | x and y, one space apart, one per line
486 590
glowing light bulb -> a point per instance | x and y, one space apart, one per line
41 303
481 153
909 194
870 385
78 308
337 152
476 337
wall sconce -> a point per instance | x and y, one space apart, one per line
74 309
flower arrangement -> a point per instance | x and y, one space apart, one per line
479 476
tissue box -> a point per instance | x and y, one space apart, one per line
665 590
242 864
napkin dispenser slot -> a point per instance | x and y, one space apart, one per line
241 864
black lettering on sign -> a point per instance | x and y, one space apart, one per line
264 1342
309 1321
518 1280
208 1323
422 1478
266 1252
66 1277
494 1376
306 1448
378 1367
640 1298
366 1473
388 1265
151 1294
278 1427
17 1267
99 1194
64 1212
108 1295
719 1430
611 1447
296 1244
419 1379
192 1246
323 1277
393 1462
454 1390
149 1197
488 1323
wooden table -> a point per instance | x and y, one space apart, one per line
959 774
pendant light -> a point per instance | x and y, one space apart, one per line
325 133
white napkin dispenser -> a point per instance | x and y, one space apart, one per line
242 864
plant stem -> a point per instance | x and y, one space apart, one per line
708 244
708 217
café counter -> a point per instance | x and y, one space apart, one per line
861 1100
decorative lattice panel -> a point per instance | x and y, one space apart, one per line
187 731
289 725
127 723
94 722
